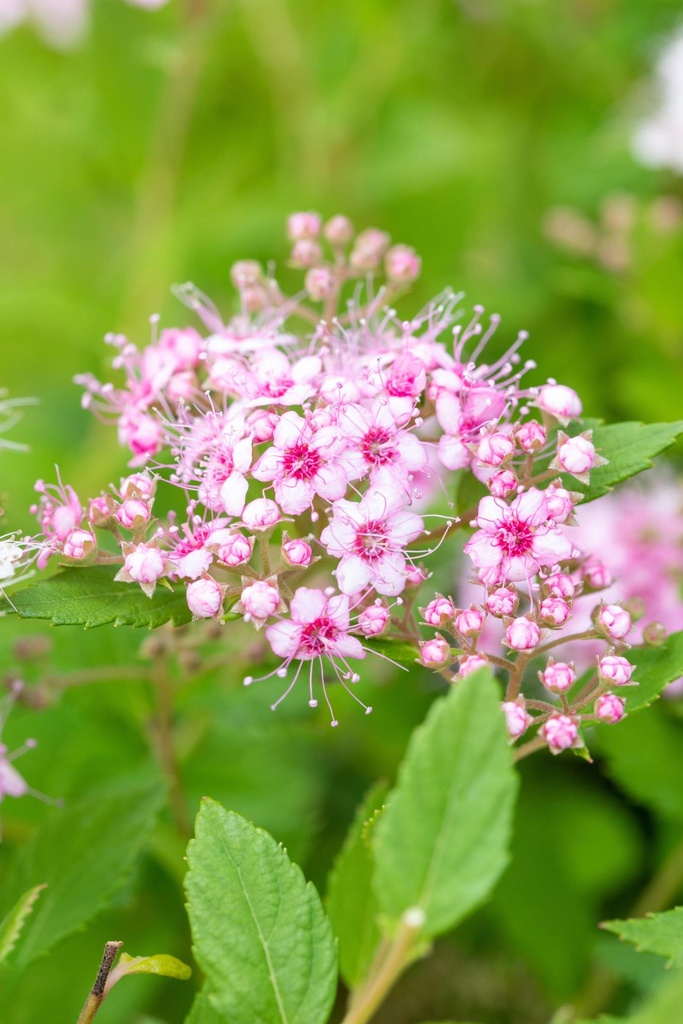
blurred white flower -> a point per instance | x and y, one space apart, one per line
658 140
60 23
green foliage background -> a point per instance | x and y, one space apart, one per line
163 149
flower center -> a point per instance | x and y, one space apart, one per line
317 636
375 446
301 462
371 541
515 538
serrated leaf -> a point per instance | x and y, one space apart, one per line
203 1012
89 597
84 854
654 668
658 933
158 963
351 902
443 840
400 651
260 932
629 449
11 927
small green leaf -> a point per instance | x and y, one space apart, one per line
10 928
400 651
442 842
629 449
351 902
84 853
260 933
658 933
654 668
89 597
158 963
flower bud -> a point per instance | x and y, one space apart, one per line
558 676
439 612
596 576
576 455
259 601
560 733
297 552
138 485
615 669
610 708
614 621
559 503
339 230
133 513
306 253
79 545
373 620
233 549
530 436
369 248
472 663
402 264
522 634
320 283
435 653
262 425
560 584
245 273
470 622
303 226
205 598
494 449
517 718
502 483
554 611
654 634
502 602
559 401
101 512
261 514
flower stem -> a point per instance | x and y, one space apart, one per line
97 993
390 962
165 747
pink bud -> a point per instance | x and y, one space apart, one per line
577 456
435 653
306 253
558 676
472 663
560 733
245 273
143 435
297 552
373 620
339 230
416 576
79 544
259 600
439 612
522 634
100 511
554 611
470 622
610 708
614 621
517 718
560 401
531 436
261 514
616 669
133 513
138 485
303 226
402 264
559 503
262 424
254 298
144 564
502 602
502 483
560 584
596 576
369 248
320 283
494 449
205 598
655 634
234 549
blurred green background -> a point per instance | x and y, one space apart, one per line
167 146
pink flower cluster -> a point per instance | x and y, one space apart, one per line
305 436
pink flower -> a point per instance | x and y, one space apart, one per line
558 676
610 708
379 447
369 538
11 782
339 230
320 283
517 718
522 634
303 225
515 540
560 733
402 264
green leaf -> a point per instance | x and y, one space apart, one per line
351 902
260 933
89 597
84 854
442 842
158 963
203 1012
657 933
665 1005
629 449
655 667
11 927
400 651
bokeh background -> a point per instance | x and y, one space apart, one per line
494 136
